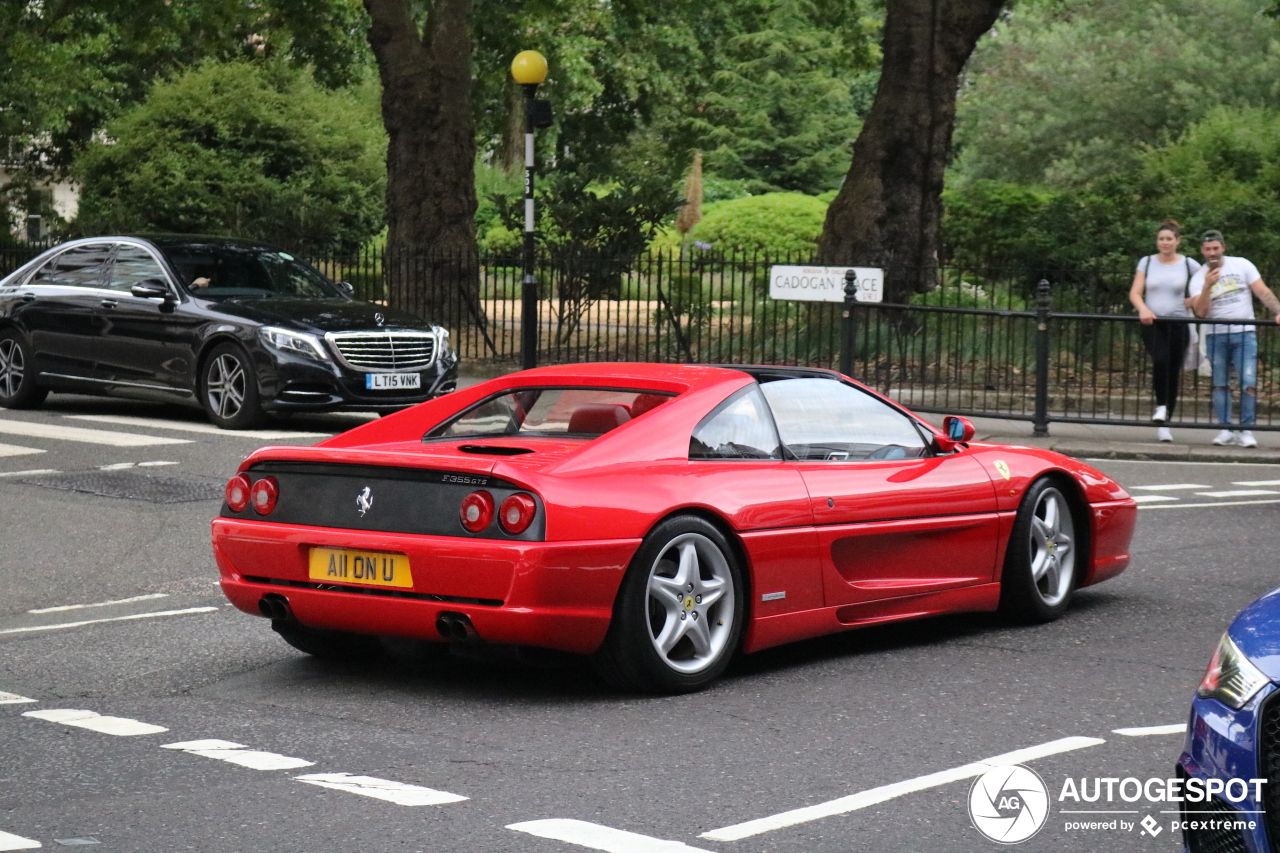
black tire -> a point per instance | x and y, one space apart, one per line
329 645
661 602
18 388
228 388
1047 551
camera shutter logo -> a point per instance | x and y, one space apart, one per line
1009 804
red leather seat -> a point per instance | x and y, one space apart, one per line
598 418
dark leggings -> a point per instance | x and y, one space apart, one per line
1166 342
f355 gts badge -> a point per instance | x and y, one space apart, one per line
364 501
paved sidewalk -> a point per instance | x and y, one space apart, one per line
1125 442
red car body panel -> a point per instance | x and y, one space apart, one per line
849 545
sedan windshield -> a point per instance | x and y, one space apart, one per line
550 411
226 270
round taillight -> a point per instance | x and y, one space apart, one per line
516 513
476 511
237 493
264 495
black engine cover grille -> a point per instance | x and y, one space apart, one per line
403 500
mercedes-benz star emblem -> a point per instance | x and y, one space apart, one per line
378 318
364 501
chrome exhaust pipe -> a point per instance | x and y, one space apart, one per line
455 627
275 607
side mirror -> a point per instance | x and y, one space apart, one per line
151 288
956 431
348 287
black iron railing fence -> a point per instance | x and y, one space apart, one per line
970 345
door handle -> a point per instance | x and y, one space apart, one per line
27 297
109 303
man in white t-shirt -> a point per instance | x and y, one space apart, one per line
1224 289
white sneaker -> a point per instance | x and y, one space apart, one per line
1225 438
1163 434
1246 439
1162 414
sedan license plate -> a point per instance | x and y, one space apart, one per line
392 381
380 568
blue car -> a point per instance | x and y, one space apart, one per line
1231 764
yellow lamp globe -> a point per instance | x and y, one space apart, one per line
529 68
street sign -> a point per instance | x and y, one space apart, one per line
824 284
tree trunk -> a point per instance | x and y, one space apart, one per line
430 262
888 211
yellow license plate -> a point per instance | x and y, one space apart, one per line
380 568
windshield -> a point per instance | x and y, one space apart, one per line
213 271
550 411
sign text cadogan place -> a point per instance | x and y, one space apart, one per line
824 284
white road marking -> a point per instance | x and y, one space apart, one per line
1171 487
95 722
15 450
1218 503
381 789
34 429
81 624
30 473
9 841
598 837
13 699
236 753
1143 731
147 597
1146 499
1238 493
1256 483
190 426
874 796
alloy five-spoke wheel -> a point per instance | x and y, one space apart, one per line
1040 563
18 388
1053 556
679 613
229 389
690 593
225 386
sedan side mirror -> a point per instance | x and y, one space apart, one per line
152 288
956 431
348 287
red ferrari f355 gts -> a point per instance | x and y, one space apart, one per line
659 518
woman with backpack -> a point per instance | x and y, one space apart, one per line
1159 292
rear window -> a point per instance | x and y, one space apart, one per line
550 411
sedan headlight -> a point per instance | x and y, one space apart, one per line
442 335
294 342
1232 678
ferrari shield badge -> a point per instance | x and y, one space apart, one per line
1002 467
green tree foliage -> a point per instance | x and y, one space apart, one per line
66 66
773 224
779 113
1068 91
244 149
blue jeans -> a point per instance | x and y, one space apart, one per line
1239 350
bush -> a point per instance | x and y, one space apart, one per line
774 224
242 149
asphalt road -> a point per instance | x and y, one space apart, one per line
541 740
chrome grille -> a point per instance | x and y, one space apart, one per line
386 350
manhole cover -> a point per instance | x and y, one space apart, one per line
126 484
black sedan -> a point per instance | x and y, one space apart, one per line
238 328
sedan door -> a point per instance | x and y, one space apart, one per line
893 519
59 312
146 344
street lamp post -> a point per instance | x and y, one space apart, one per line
529 69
